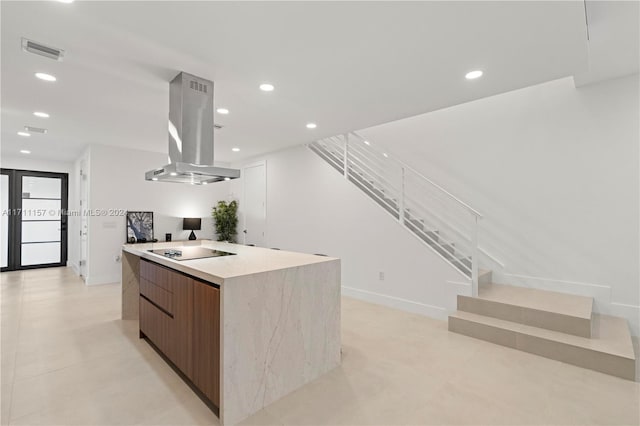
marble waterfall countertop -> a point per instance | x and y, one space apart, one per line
248 260
279 317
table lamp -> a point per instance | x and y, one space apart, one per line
192 223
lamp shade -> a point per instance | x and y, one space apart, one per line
191 223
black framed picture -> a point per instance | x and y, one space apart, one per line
139 227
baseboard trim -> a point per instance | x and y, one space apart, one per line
630 312
396 302
74 266
551 284
494 259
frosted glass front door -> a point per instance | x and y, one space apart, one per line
4 236
41 227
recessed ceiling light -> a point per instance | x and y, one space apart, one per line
65 1
41 114
25 134
472 75
235 149
45 77
267 87
367 143
25 151
311 125
173 174
222 111
385 155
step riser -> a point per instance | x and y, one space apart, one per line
445 251
466 262
533 317
371 193
416 224
463 265
433 235
415 228
391 202
581 357
391 206
327 157
485 278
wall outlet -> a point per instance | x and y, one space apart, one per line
117 258
381 276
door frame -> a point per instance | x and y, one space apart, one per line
11 221
262 163
14 256
83 198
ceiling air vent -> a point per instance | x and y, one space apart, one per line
42 50
31 129
197 86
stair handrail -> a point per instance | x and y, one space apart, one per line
432 183
348 149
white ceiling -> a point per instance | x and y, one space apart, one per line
343 65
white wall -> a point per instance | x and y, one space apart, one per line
27 163
554 170
116 181
311 208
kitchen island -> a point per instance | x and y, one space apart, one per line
243 330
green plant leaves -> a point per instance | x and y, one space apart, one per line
225 216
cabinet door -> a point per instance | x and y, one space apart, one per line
157 295
206 340
183 318
159 275
158 327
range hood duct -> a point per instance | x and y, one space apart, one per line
191 135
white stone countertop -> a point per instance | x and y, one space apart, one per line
247 261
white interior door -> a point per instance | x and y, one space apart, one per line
254 203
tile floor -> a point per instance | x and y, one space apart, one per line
67 359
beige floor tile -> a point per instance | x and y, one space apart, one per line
55 350
5 400
67 359
187 410
457 405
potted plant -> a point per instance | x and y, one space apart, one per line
225 216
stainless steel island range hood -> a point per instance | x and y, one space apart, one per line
191 135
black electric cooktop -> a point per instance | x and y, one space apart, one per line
190 253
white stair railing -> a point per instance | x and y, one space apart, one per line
442 221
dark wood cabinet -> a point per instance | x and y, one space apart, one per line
158 326
157 295
206 338
159 275
180 315
183 318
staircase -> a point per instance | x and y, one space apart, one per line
554 325
550 324
440 220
